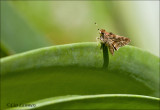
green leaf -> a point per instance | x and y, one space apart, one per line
80 54
102 101
17 33
76 69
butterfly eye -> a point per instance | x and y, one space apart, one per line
111 33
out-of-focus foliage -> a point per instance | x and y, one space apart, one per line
73 21
4 50
16 32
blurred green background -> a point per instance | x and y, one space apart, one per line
27 25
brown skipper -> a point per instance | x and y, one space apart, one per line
112 41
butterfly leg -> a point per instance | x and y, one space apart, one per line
101 46
111 49
97 39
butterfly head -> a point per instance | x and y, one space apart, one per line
103 32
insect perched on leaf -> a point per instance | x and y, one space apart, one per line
112 41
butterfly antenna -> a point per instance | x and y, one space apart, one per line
96 25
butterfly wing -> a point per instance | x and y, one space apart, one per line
114 42
119 41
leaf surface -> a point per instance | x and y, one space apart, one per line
76 69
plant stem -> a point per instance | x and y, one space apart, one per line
105 56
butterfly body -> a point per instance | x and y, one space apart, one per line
112 41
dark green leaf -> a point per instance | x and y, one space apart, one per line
76 69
